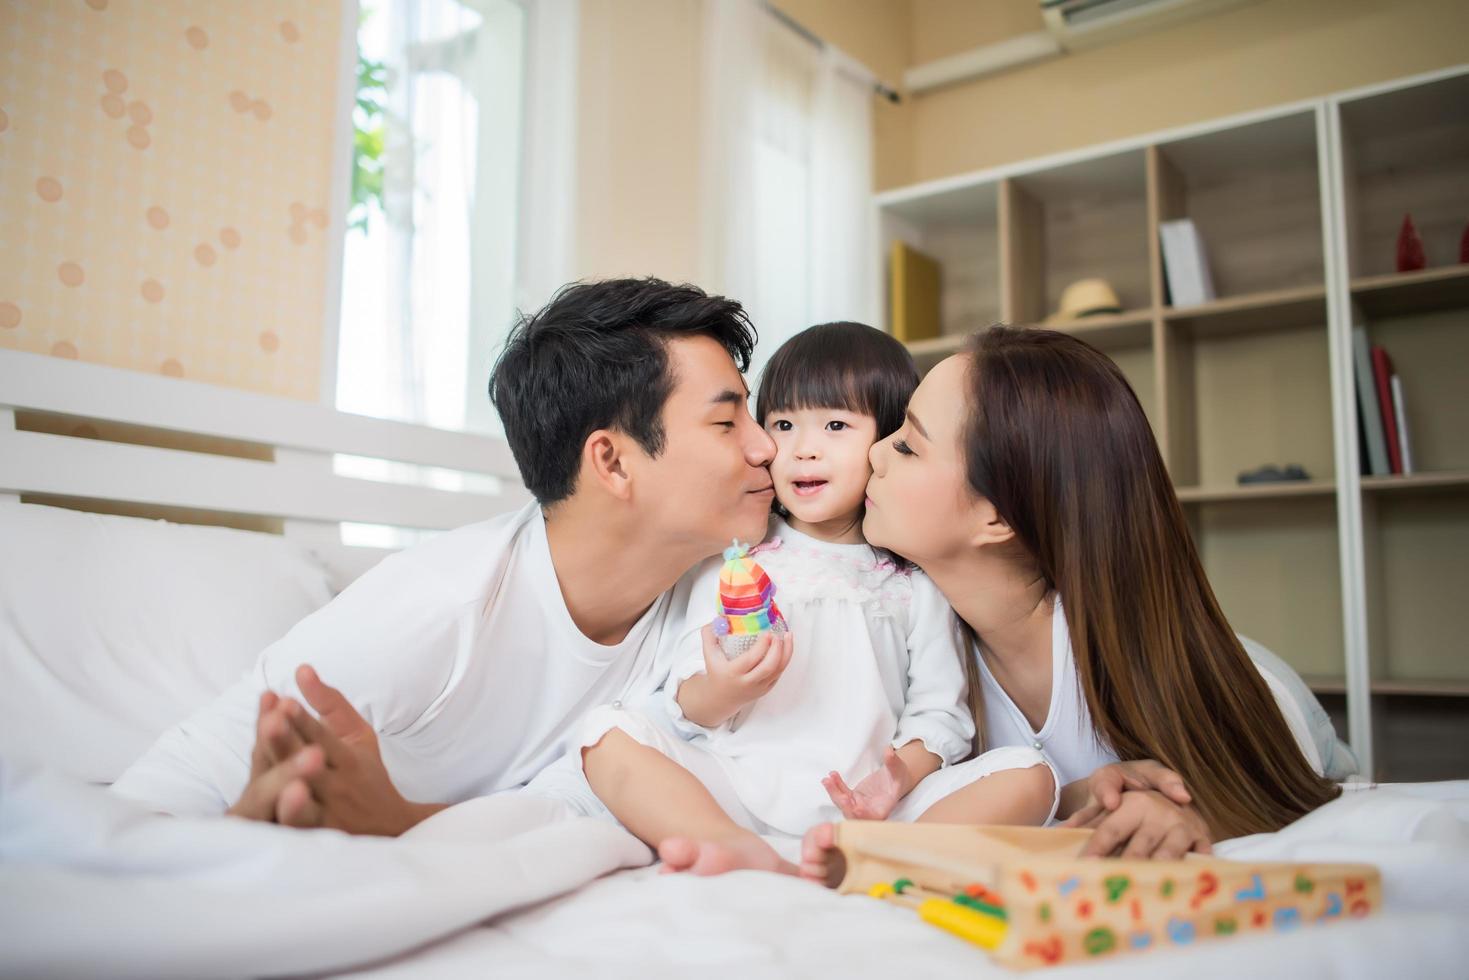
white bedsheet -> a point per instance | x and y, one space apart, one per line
90 885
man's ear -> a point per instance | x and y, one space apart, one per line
989 527
603 459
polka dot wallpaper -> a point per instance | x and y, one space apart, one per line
165 173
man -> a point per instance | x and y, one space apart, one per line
457 668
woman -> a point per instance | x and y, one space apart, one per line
1042 510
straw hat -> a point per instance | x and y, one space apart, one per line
1086 297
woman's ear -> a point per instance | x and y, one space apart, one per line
989 527
603 459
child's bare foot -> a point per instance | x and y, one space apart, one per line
715 857
821 862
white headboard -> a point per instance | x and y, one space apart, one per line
247 455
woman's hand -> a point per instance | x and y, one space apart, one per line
876 795
1104 788
1139 809
1147 824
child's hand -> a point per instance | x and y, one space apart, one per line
735 683
874 797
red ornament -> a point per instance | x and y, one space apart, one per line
1464 246
1410 247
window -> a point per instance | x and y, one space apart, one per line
429 258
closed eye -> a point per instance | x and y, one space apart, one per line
903 448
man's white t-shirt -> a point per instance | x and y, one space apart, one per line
1069 740
460 653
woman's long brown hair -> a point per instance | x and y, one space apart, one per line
1057 441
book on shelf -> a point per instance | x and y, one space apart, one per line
1184 264
915 281
1369 413
1382 378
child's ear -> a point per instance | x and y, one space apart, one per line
603 459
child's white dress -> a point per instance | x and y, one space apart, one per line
876 663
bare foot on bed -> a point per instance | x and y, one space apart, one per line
710 857
821 862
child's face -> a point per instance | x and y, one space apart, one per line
821 468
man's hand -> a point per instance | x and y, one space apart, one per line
352 791
726 686
305 773
877 794
1146 824
279 763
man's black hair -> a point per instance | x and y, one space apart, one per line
843 365
596 357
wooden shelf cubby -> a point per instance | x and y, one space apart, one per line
1405 151
1356 580
1276 571
959 229
1253 192
1084 220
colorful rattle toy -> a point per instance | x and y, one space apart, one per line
746 603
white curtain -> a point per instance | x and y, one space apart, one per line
788 174
843 218
549 156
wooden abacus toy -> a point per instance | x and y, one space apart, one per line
1024 895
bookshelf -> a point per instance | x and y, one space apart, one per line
1358 581
1405 149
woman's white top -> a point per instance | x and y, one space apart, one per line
1069 740
876 663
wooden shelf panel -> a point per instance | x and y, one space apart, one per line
930 350
1415 482
1130 328
1278 309
1326 684
1425 291
1256 491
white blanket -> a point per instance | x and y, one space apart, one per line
89 885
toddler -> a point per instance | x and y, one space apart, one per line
862 709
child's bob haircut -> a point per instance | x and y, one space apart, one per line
849 366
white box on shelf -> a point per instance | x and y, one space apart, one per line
1189 282
1397 404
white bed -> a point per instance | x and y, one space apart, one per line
96 604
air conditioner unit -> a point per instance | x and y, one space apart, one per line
1078 24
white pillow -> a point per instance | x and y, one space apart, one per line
112 629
